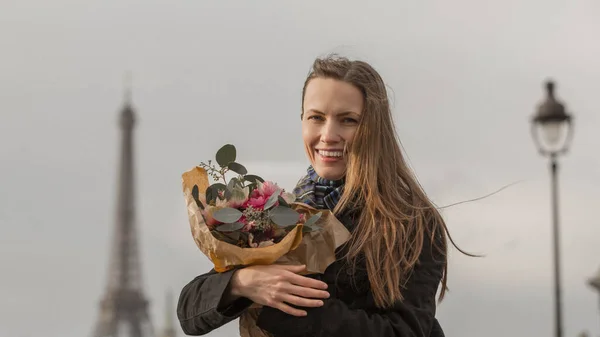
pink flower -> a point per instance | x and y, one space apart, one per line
267 189
257 202
260 195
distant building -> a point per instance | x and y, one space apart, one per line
594 282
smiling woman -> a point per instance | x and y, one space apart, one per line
330 117
385 278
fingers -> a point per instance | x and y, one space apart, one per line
302 280
284 289
307 292
289 310
307 282
302 302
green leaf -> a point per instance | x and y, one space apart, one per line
195 194
212 192
210 196
251 188
230 227
253 179
313 219
223 237
231 183
308 229
230 187
237 168
290 228
218 186
229 237
234 236
243 236
226 155
284 216
227 215
282 202
238 194
272 200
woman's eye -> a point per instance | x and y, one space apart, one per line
314 117
350 120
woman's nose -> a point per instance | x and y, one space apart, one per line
330 133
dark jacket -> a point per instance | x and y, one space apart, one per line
349 312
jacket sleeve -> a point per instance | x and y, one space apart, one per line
200 307
412 317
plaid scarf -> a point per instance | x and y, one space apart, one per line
318 192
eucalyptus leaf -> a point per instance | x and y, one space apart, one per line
230 227
282 202
231 183
238 194
227 215
243 236
237 168
284 216
230 187
195 194
226 155
313 219
218 186
223 237
234 236
251 187
308 229
210 196
253 178
212 192
272 200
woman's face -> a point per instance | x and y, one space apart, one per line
332 111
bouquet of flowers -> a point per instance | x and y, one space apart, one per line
246 220
249 221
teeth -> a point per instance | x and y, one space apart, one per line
331 153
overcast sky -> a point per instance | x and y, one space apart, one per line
465 77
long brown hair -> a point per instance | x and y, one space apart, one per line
396 213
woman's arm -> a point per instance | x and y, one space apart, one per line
413 317
214 299
206 303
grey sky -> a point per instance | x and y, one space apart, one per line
465 75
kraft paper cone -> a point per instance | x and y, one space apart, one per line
314 249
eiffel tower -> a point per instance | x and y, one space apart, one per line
123 310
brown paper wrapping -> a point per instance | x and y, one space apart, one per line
314 249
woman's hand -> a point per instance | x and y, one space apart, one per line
278 286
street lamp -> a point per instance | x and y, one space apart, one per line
552 131
594 282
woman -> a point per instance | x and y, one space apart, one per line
385 279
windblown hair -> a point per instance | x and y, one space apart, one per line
397 215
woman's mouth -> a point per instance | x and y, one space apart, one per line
330 155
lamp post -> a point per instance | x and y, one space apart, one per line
552 131
594 282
